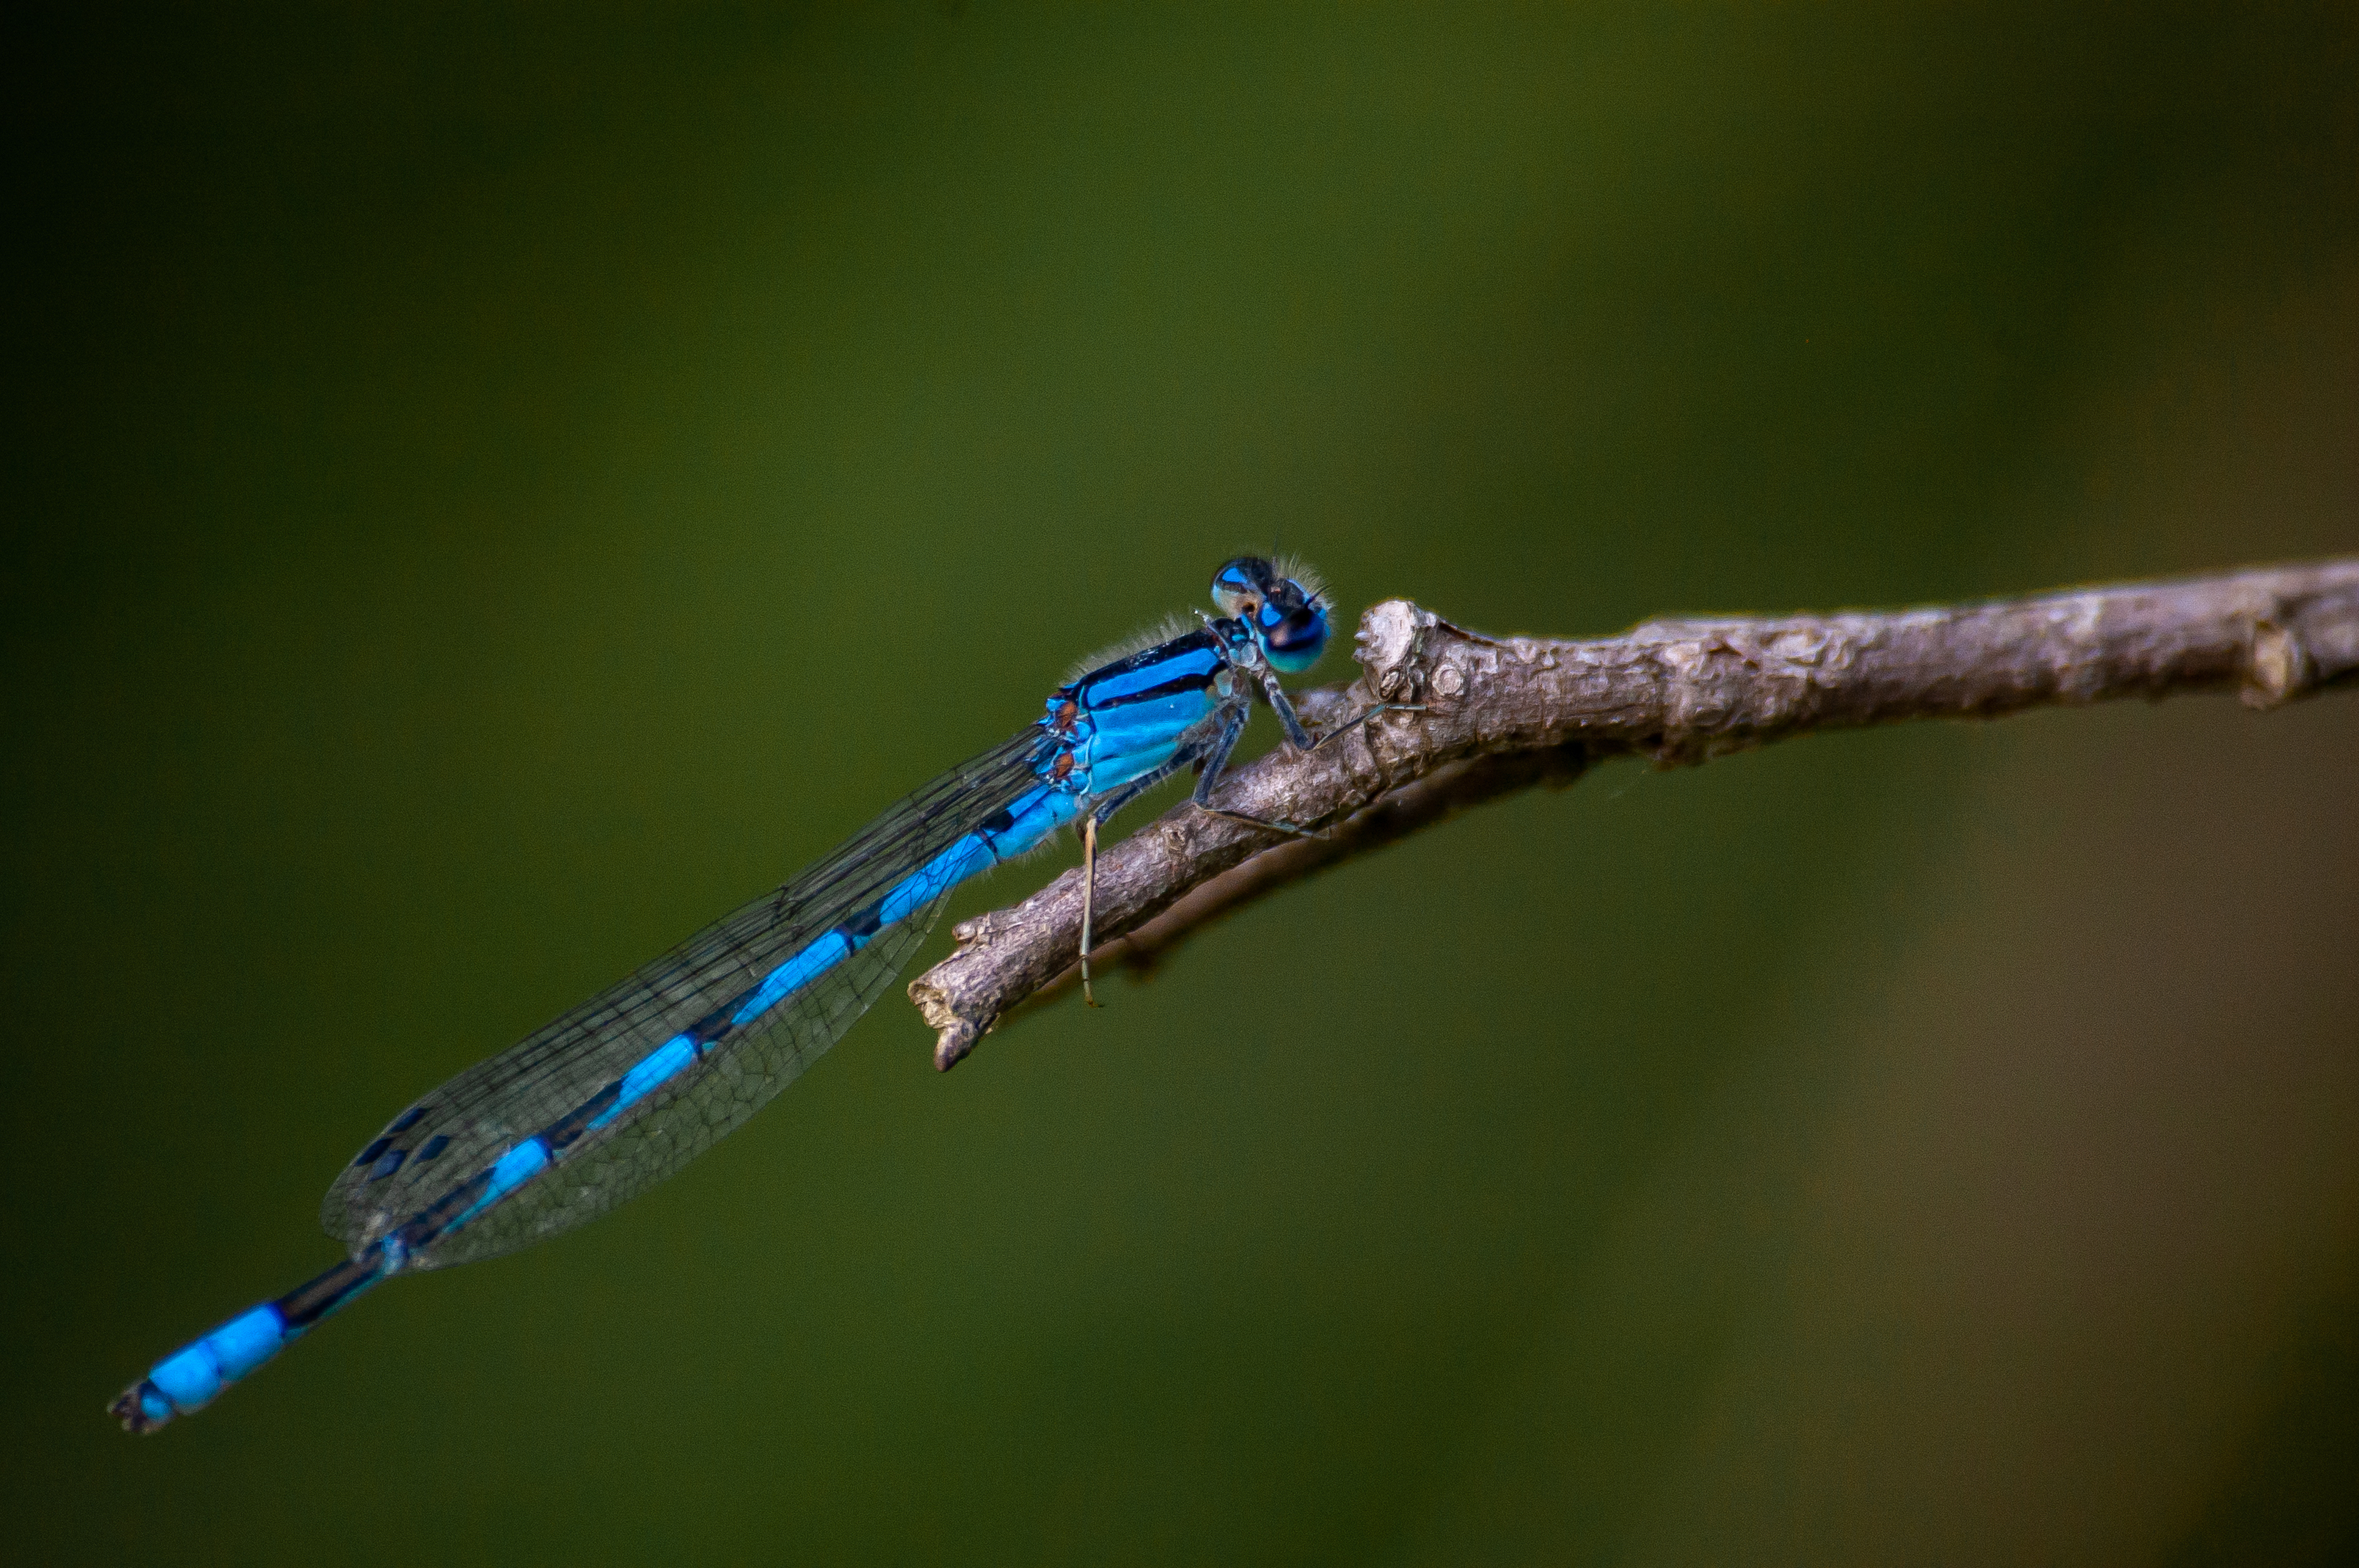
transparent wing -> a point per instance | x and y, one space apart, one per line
449 1137
680 1123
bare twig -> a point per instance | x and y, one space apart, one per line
1503 713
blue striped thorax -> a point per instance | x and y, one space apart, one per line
1123 720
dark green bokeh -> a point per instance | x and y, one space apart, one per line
492 492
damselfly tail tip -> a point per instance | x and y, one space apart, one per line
140 1408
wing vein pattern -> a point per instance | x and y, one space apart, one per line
627 1087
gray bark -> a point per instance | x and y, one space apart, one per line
1500 713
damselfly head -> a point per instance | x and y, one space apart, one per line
1288 618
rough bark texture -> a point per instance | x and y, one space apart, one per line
1503 713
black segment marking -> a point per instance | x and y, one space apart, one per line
408 1119
1172 687
436 1217
434 1146
562 1133
308 1302
368 1155
715 1024
388 1165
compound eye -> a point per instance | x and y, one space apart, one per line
1236 587
1296 641
1232 590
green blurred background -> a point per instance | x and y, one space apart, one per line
492 490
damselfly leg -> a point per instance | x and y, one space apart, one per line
1302 741
1088 899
